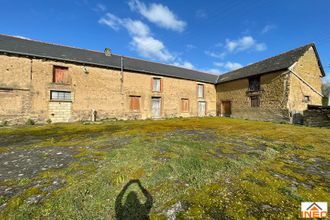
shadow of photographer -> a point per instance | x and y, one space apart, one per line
133 208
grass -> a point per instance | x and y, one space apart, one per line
215 167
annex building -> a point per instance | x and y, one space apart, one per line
48 82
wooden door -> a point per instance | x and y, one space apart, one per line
155 107
226 108
201 109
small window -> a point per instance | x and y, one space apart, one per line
60 75
255 101
307 98
200 90
254 84
135 103
184 105
156 84
60 95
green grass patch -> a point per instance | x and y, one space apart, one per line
213 167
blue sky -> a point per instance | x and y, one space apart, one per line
214 36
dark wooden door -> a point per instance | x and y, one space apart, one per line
226 108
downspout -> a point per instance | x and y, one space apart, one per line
121 75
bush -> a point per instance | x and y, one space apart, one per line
30 122
49 121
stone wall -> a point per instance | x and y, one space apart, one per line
317 117
60 111
273 98
106 91
308 69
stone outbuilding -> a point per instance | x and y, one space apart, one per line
276 89
48 82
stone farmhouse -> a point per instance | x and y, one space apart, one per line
48 82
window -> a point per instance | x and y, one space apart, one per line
60 95
306 98
135 103
156 85
255 101
184 105
200 90
254 84
60 75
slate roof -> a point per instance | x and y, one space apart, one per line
279 62
31 48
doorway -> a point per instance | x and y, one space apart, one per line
201 109
226 108
156 107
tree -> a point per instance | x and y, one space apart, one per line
326 93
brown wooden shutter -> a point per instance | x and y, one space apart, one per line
60 75
185 105
135 103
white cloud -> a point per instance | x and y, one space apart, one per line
100 7
112 21
244 43
152 48
220 55
142 40
213 70
158 14
261 47
136 28
228 65
268 28
201 13
185 64
190 46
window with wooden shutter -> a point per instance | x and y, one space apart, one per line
255 101
254 84
135 103
60 75
156 84
185 105
200 91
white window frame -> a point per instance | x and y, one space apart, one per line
58 95
156 84
200 90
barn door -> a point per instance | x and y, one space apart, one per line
155 107
201 109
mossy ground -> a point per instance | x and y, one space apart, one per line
218 168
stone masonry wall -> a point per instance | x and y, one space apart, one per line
273 97
95 88
317 117
308 69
